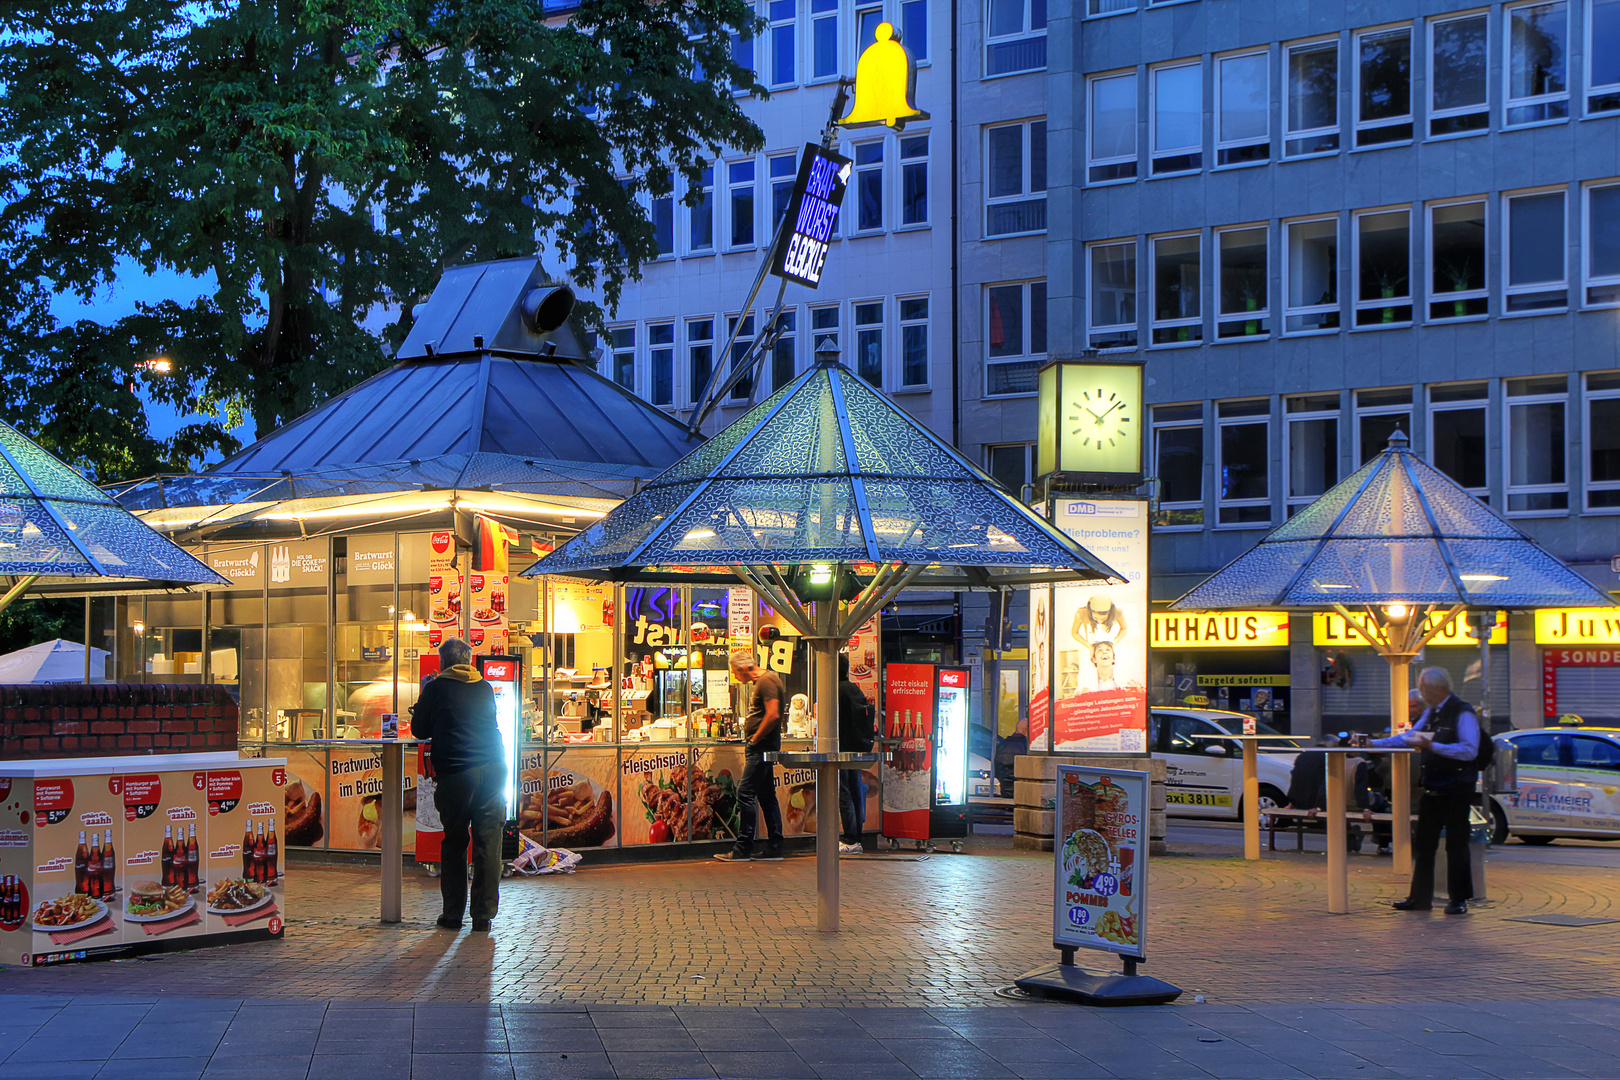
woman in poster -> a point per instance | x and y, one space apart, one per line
1099 620
1041 638
1102 662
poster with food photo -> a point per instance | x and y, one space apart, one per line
657 789
304 798
576 804
243 878
354 813
16 868
75 897
165 841
1100 872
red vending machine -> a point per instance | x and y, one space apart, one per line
925 753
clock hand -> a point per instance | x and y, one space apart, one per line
1111 408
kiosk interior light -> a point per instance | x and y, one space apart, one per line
1482 577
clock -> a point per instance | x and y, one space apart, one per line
1090 423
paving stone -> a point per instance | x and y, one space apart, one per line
582 1066
657 1065
763 1065
180 1068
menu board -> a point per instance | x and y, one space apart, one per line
1100 878
165 837
242 879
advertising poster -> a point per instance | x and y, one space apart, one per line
75 902
304 798
1040 667
16 869
864 649
354 810
578 803
1100 876
658 793
444 589
909 698
165 824
1100 633
241 884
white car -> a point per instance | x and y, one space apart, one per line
1205 775
1569 785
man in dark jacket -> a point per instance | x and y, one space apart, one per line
854 736
457 711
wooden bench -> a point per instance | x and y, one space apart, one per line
1297 820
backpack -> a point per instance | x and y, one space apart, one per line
1487 748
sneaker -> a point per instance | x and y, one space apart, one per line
768 856
850 849
446 923
732 856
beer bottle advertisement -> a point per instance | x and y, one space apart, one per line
68 905
159 809
249 803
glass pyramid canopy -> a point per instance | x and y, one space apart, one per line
826 470
1398 529
55 524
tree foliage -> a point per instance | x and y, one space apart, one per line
318 164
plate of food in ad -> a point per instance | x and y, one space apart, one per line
1085 855
235 895
576 815
67 913
151 901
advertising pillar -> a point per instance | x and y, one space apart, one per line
908 766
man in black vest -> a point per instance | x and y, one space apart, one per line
1447 737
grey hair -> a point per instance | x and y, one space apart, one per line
741 661
1437 677
455 651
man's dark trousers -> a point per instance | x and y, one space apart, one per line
851 806
1438 810
758 789
471 799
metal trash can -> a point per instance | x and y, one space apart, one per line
1479 838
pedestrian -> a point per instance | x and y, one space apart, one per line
855 716
1447 737
457 712
762 734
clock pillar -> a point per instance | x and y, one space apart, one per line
1090 427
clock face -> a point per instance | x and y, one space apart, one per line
1099 421
1101 418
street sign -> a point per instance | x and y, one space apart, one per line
812 216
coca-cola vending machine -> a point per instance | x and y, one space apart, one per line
925 753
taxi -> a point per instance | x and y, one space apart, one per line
1569 785
1204 774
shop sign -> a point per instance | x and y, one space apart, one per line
1330 628
1577 626
813 211
1100 878
1243 680
1220 630
299 564
371 560
244 566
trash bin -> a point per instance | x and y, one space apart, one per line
1479 837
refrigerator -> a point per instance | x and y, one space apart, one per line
505 676
925 752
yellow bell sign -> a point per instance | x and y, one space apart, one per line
885 84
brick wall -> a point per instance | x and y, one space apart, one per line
113 720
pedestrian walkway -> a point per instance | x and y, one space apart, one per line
54 1038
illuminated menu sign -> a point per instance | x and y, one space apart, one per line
812 215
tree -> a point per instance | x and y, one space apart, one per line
320 163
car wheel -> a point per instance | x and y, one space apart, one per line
1499 825
1270 798
1536 841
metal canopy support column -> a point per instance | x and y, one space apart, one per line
826 647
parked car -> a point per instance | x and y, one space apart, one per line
1569 785
1205 775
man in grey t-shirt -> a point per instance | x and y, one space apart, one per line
762 733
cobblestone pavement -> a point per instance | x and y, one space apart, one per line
143 1038
942 932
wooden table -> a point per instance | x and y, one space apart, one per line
1251 784
391 813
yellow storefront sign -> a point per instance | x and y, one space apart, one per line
1329 628
1220 630
1578 626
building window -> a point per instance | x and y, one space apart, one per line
624 356
661 361
869 342
740 175
1313 99
1312 448
663 219
1458 75
742 54
914 180
1537 58
784 18
914 341
1602 56
1379 414
1243 446
1603 436
823 326
1244 308
1016 37
1177 288
869 186
914 28
1457 435
784 171
1178 118
1243 128
741 344
1178 462
1384 86
1112 132
867 17
1010 467
784 353
1015 337
1383 259
1457 260
700 234
1602 245
1311 270
1536 277
1016 186
1109 7
1113 295
1536 445
824 39
699 357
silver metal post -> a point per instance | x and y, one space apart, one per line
393 830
